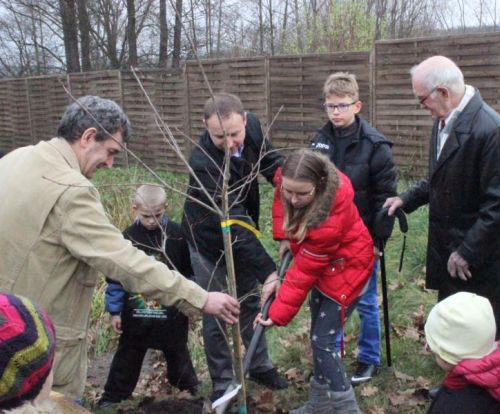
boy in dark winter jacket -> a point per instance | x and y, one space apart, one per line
364 155
142 324
460 331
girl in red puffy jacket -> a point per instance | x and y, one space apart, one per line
315 217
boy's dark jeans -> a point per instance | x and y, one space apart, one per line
127 362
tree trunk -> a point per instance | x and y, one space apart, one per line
283 27
84 26
131 33
219 29
163 61
193 28
298 26
176 54
67 10
271 31
261 28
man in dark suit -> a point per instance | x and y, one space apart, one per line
463 185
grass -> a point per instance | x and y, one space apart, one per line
395 390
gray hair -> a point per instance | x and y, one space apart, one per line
93 112
444 73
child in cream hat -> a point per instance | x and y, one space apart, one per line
460 331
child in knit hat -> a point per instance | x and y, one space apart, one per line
460 331
27 346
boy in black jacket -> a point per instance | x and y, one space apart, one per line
364 155
142 324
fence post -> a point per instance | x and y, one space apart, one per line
28 101
372 81
187 104
120 93
267 75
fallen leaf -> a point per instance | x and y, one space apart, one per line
369 391
407 398
375 410
265 401
420 282
411 333
402 376
293 374
419 318
423 382
395 285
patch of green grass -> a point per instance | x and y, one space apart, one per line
289 348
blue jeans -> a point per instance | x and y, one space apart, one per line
369 329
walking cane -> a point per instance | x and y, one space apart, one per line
383 225
222 403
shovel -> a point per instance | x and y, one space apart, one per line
220 405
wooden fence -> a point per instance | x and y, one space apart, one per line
398 114
284 91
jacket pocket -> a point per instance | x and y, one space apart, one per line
71 355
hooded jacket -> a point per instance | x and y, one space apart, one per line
472 386
336 255
367 161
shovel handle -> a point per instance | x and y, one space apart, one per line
285 262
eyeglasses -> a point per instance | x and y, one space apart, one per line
289 194
343 107
422 100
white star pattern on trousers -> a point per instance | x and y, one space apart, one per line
322 315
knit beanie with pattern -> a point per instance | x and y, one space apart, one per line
462 326
27 346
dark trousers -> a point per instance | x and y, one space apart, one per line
325 324
127 363
219 360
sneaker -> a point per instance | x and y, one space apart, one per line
216 395
363 373
270 379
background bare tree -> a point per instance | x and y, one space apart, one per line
47 36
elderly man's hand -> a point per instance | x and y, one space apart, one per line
392 204
458 266
222 306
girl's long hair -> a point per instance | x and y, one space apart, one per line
311 166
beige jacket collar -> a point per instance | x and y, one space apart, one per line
64 148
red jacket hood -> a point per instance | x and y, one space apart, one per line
336 257
484 373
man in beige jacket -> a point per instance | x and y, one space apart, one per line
56 237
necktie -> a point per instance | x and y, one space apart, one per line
442 124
